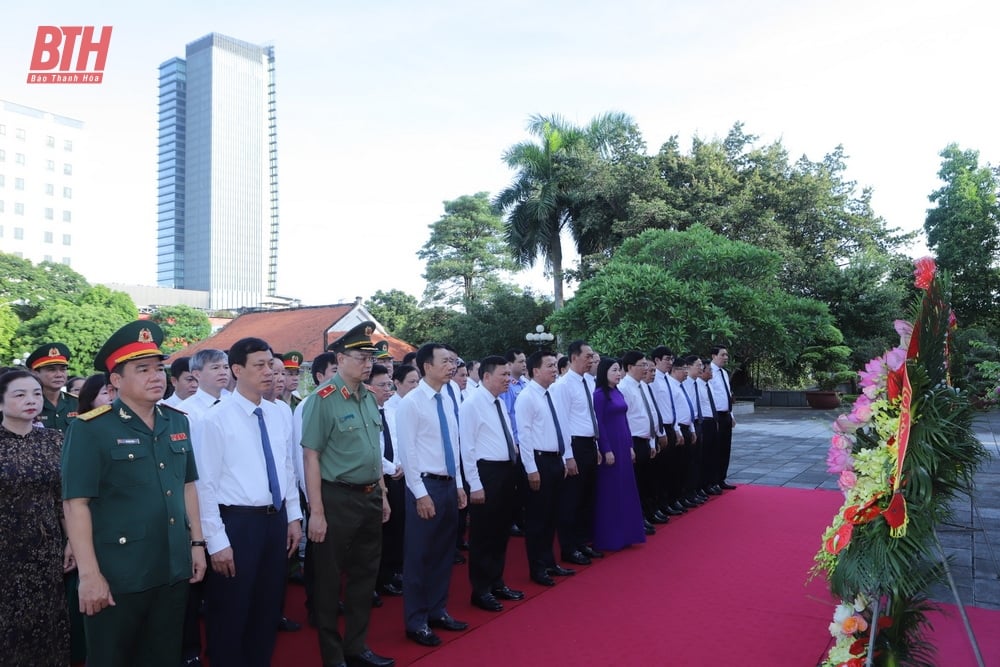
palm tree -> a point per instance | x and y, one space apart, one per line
540 202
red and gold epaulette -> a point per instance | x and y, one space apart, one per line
346 394
96 412
326 391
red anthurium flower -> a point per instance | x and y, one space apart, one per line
840 540
895 513
924 272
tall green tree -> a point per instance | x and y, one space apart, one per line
963 229
8 333
84 328
465 251
182 325
393 309
498 321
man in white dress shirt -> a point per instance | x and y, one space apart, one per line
183 381
642 425
722 394
211 369
428 441
544 441
489 458
250 511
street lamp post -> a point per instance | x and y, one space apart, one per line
539 337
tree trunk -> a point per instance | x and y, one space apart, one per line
555 260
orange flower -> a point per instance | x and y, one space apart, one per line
854 624
924 273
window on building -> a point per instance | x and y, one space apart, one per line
68 169
18 208
48 237
50 141
19 233
68 146
67 240
19 158
66 261
3 180
50 214
18 183
48 258
50 165
50 189
67 216
67 193
19 133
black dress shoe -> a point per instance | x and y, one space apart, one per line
670 511
559 571
391 589
686 502
712 491
649 529
424 636
376 599
659 517
678 507
702 496
369 658
696 500
288 625
446 622
577 558
515 530
591 552
486 601
727 486
543 579
506 593
648 526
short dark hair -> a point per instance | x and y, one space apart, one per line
377 369
659 352
631 358
562 363
321 363
410 358
10 376
690 359
489 364
575 348
180 366
91 388
535 360
718 347
243 348
511 354
426 354
401 371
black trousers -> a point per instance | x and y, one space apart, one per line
352 550
576 503
709 438
666 485
541 511
725 446
242 612
645 475
489 528
393 531
429 554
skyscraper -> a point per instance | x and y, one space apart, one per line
217 208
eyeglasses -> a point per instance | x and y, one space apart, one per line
362 359
383 385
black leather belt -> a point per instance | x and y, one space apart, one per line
361 488
250 509
541 452
441 478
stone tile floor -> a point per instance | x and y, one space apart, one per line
787 447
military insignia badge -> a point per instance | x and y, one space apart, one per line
345 393
124 415
369 331
145 336
53 352
326 391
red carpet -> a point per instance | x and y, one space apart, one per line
723 585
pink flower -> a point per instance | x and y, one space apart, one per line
895 358
847 480
924 273
905 330
841 441
871 392
844 425
838 460
873 374
862 411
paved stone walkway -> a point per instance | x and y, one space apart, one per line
787 447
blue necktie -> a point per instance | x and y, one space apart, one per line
454 403
559 436
449 454
688 399
670 393
697 399
272 472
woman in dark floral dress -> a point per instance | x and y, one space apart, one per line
34 627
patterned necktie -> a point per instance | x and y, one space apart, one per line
511 451
449 453
389 454
559 435
272 472
590 405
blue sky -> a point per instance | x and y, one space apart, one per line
387 108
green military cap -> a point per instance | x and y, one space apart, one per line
48 354
292 360
358 338
135 340
382 350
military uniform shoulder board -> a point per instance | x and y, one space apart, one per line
326 391
96 412
345 393
170 407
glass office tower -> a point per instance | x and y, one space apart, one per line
217 172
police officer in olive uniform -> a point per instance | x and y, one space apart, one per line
292 361
51 361
131 509
343 467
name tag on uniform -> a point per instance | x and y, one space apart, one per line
129 441
346 417
178 436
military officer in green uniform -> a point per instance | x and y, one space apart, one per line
343 469
383 356
51 362
131 509
292 361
